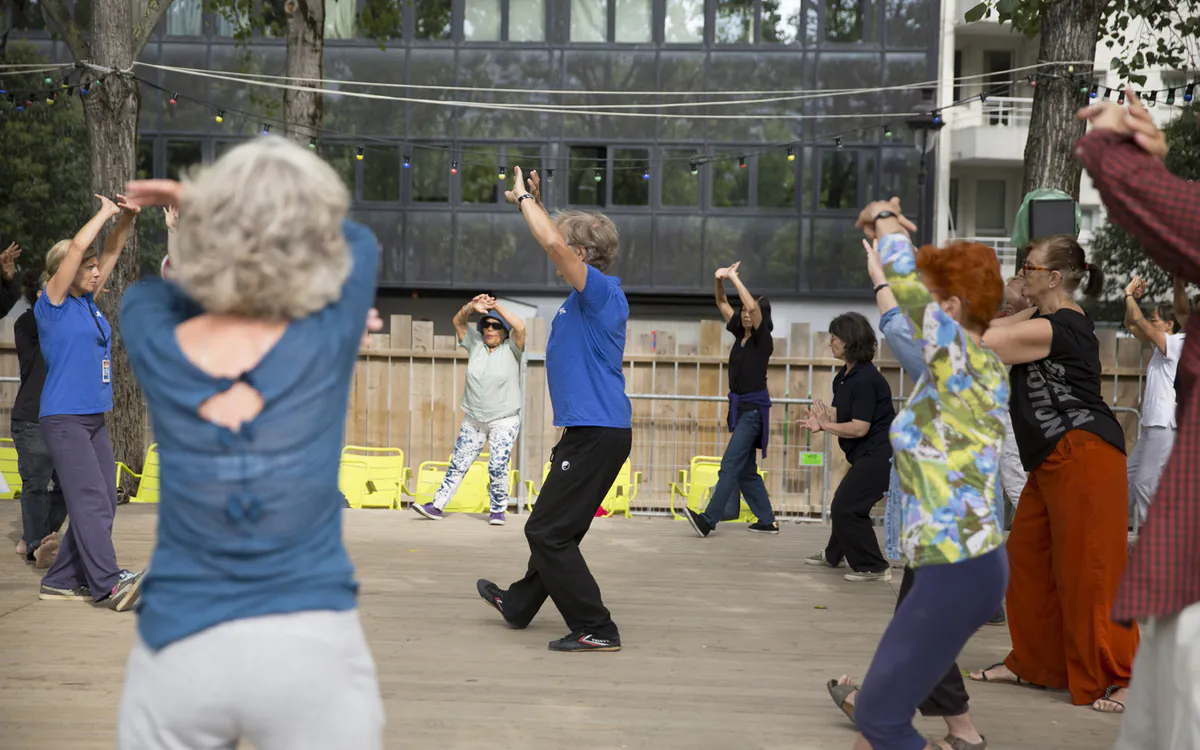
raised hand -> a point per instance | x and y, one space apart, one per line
874 264
535 187
867 217
1108 115
171 216
107 206
518 187
733 270
1145 133
374 325
8 261
126 204
154 192
482 304
810 422
821 411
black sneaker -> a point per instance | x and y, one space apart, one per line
493 595
764 528
581 640
125 594
999 618
699 525
77 594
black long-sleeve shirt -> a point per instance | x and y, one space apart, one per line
33 369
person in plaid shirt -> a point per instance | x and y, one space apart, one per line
1123 153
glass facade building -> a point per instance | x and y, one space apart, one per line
688 194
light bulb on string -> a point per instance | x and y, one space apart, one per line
500 173
3 89
312 143
220 116
549 174
407 162
887 129
646 173
174 99
598 176
1032 82
1095 89
695 167
791 154
1121 97
50 98
1083 87
1107 91
983 97
48 80
1187 92
1070 68
1152 99
83 89
358 153
266 129
741 162
63 83
453 167
937 119
837 143
1170 97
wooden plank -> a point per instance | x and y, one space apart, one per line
535 334
444 343
400 331
422 335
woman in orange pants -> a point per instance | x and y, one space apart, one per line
1067 549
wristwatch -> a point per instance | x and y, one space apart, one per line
883 215
523 197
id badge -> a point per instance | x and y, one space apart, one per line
105 371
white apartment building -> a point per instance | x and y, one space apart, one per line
980 164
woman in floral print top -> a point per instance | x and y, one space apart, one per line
947 443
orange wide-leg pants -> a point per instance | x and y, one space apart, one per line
1066 553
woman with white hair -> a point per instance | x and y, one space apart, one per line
248 626
76 342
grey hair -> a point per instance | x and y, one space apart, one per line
55 255
260 233
595 233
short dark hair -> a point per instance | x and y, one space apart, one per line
856 333
1165 311
31 284
764 306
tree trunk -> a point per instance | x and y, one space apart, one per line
305 50
1070 31
112 116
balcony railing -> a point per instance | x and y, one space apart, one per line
1005 252
997 111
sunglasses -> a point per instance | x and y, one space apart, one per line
1027 267
491 325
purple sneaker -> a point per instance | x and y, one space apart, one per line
429 510
496 519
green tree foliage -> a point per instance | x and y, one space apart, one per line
1119 253
45 195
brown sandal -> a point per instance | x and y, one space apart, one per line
1108 697
1019 681
840 693
958 743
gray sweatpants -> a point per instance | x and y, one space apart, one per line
1145 465
282 682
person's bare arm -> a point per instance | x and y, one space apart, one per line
723 305
480 303
564 257
115 242
1021 342
514 322
749 304
59 284
1180 304
1009 320
1136 322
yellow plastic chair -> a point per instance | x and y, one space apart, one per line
8 467
373 477
620 495
696 484
148 480
472 495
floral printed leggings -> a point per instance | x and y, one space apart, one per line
502 434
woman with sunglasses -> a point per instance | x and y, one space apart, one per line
1067 549
491 403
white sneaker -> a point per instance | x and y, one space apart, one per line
866 575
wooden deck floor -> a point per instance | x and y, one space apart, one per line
728 643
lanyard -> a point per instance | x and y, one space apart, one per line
95 315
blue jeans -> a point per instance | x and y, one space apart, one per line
739 471
43 509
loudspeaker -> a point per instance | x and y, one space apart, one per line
1051 217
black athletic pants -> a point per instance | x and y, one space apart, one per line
853 535
949 697
583 466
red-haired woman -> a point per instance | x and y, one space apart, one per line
1068 547
947 442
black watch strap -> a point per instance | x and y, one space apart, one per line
523 197
883 215
881 286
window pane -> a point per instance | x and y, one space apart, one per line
906 22
181 155
427 248
145 158
339 155
433 19
735 21
504 68
776 181
844 71
990 213
781 21
847 20
589 20
955 228
682 71
429 67
739 71
899 174
839 180
632 264
431 175
364 63
495 248
340 21
482 21
385 19
731 184
381 174
904 70
221 147
526 20
677 252
479 173
528 158
837 261
630 186
185 18
684 23
633 21
586 164
388 226
767 247
679 186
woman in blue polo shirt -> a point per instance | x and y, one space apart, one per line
76 343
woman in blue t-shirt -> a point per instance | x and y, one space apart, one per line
248 624
76 343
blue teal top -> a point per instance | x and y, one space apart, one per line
584 355
76 344
249 523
